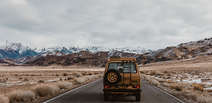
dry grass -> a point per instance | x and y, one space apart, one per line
23 77
186 95
81 80
65 85
176 86
151 80
4 99
41 82
194 97
46 90
198 87
21 96
182 77
204 99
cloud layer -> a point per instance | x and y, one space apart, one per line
149 24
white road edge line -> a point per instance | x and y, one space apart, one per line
166 92
71 91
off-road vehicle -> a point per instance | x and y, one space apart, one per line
122 77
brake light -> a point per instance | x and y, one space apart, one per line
137 86
106 86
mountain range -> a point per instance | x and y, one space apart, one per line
17 54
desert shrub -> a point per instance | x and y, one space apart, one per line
81 80
21 96
161 80
46 90
142 72
84 73
151 80
168 74
4 99
152 72
61 79
65 74
194 96
188 95
90 77
70 78
165 72
204 99
155 82
170 81
41 81
198 87
26 79
166 84
3 80
95 73
175 86
65 85
77 74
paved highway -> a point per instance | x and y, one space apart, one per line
92 93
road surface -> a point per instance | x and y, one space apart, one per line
92 93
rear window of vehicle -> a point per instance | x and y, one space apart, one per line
125 67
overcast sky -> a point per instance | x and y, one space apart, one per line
150 24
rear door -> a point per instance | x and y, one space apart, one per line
127 71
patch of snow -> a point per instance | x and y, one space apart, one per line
167 53
54 80
192 80
209 88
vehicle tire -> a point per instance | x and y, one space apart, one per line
106 97
138 97
116 73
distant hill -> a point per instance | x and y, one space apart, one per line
182 51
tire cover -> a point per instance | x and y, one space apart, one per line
114 71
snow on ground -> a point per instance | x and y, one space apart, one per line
202 78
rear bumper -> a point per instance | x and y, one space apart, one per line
122 91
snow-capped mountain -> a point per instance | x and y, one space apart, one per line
17 51
70 55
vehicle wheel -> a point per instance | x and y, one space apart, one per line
138 97
106 97
112 76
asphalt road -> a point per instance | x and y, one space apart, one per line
92 93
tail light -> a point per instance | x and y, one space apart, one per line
137 86
106 86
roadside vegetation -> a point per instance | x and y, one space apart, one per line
189 79
35 87
177 83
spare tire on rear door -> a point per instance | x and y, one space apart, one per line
112 76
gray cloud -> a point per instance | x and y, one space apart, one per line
113 23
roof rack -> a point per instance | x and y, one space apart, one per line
122 59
